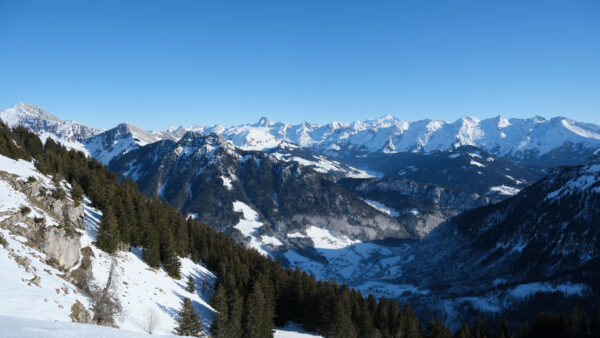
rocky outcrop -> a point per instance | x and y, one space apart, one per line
61 248
60 242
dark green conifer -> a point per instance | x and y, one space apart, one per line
108 232
191 285
188 323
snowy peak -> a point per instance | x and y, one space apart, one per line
196 140
46 125
141 136
23 111
263 122
515 138
123 138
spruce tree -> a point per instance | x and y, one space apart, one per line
255 307
341 326
168 255
188 323
436 329
221 319
108 232
236 310
191 286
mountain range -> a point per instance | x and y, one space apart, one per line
457 218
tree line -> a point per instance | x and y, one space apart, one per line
253 293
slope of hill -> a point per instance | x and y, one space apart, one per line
41 258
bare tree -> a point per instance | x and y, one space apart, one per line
152 320
105 301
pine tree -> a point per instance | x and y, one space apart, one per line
256 323
436 329
463 332
191 286
221 319
108 232
168 255
188 323
236 310
342 327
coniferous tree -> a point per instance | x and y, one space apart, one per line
221 319
436 329
236 311
191 285
151 245
341 326
188 323
168 255
108 232
463 332
254 324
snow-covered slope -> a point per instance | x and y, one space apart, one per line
16 327
32 288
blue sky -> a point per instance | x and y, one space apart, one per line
163 63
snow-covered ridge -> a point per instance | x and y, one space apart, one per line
588 179
498 135
515 137
39 121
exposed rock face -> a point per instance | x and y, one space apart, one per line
59 242
63 210
61 248
424 206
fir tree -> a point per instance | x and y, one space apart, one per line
188 323
191 286
221 319
108 232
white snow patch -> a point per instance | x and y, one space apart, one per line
382 207
475 163
524 290
504 190
248 225
227 182
296 235
270 240
32 328
323 239
293 330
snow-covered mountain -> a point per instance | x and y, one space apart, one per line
206 175
529 139
69 133
121 139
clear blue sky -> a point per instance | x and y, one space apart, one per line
163 63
